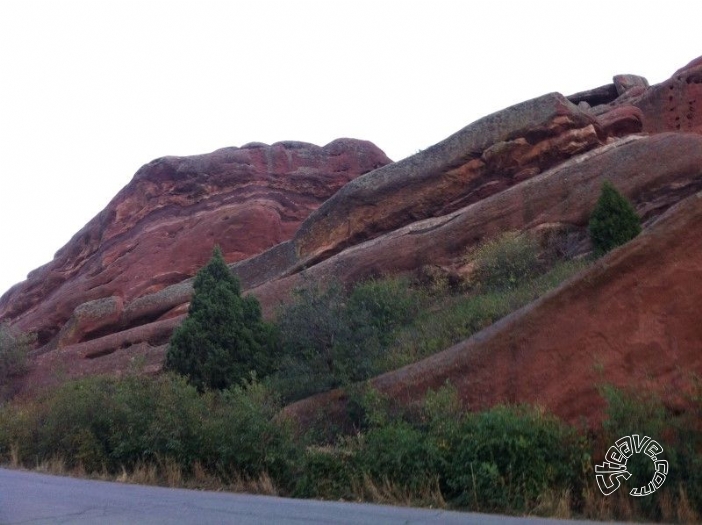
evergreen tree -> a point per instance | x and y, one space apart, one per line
613 221
224 337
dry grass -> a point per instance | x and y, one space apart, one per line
55 465
15 456
263 485
141 474
172 473
555 505
166 473
673 502
201 479
388 493
674 506
606 508
683 510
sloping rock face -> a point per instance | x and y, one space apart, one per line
632 319
654 172
533 166
162 226
483 159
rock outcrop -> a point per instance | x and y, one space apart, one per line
631 319
162 226
654 172
673 105
117 290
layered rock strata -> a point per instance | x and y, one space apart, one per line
162 226
630 320
118 289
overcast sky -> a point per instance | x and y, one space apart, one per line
91 90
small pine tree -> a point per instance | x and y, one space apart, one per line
224 337
613 221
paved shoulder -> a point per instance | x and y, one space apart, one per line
27 497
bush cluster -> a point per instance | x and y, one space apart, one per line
506 261
13 358
679 433
506 459
330 337
104 424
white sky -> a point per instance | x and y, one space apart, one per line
91 90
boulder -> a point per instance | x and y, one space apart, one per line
621 121
483 158
625 83
673 105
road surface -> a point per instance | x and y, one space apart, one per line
28 497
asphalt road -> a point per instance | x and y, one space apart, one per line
27 497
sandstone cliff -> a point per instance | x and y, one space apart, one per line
116 292
160 229
630 320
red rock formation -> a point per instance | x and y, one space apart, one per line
162 226
655 172
673 105
482 159
676 104
120 286
667 168
632 319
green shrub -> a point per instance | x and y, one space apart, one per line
316 334
506 262
443 412
393 448
400 454
13 357
386 304
613 221
505 458
679 433
241 435
71 422
326 473
451 319
331 338
107 424
224 337
153 420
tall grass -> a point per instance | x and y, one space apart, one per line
448 319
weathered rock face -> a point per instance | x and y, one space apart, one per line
162 226
673 105
632 319
120 287
654 172
482 159
676 104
